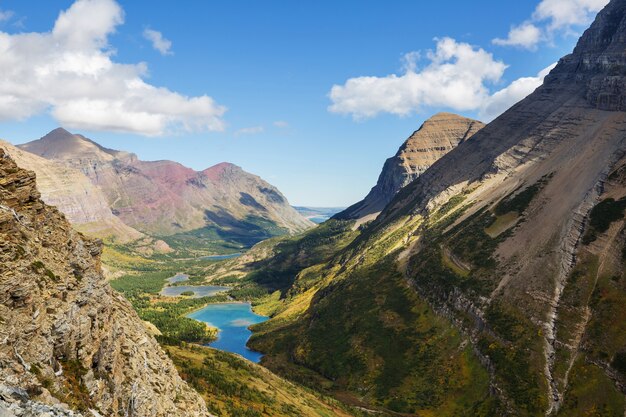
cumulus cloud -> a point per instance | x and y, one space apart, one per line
565 13
550 17
70 73
159 43
519 89
281 124
250 130
526 35
456 77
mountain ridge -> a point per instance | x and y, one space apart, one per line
165 198
437 136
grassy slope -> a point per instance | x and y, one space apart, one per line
234 387
231 385
361 330
371 339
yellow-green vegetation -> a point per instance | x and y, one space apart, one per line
591 393
234 387
451 262
502 223
167 314
592 319
119 257
351 324
516 350
293 255
372 341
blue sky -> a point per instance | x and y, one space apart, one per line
250 82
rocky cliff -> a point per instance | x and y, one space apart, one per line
67 340
166 198
435 138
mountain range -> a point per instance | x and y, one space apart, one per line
163 198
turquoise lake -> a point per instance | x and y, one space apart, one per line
232 320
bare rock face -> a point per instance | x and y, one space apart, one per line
435 138
165 197
598 62
68 189
66 338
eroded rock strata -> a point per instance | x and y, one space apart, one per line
66 338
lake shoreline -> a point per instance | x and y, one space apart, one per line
233 326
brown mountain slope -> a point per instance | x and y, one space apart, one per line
166 198
66 336
84 205
516 238
436 137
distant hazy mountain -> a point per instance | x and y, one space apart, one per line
164 198
318 214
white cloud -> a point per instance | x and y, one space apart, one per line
455 77
70 73
6 15
526 35
565 13
281 124
551 17
159 43
519 89
250 130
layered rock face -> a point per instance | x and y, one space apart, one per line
67 339
435 138
165 198
84 205
547 160
516 237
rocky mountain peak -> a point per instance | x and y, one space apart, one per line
597 66
220 170
436 137
60 144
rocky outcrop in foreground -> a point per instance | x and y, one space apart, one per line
84 205
67 340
